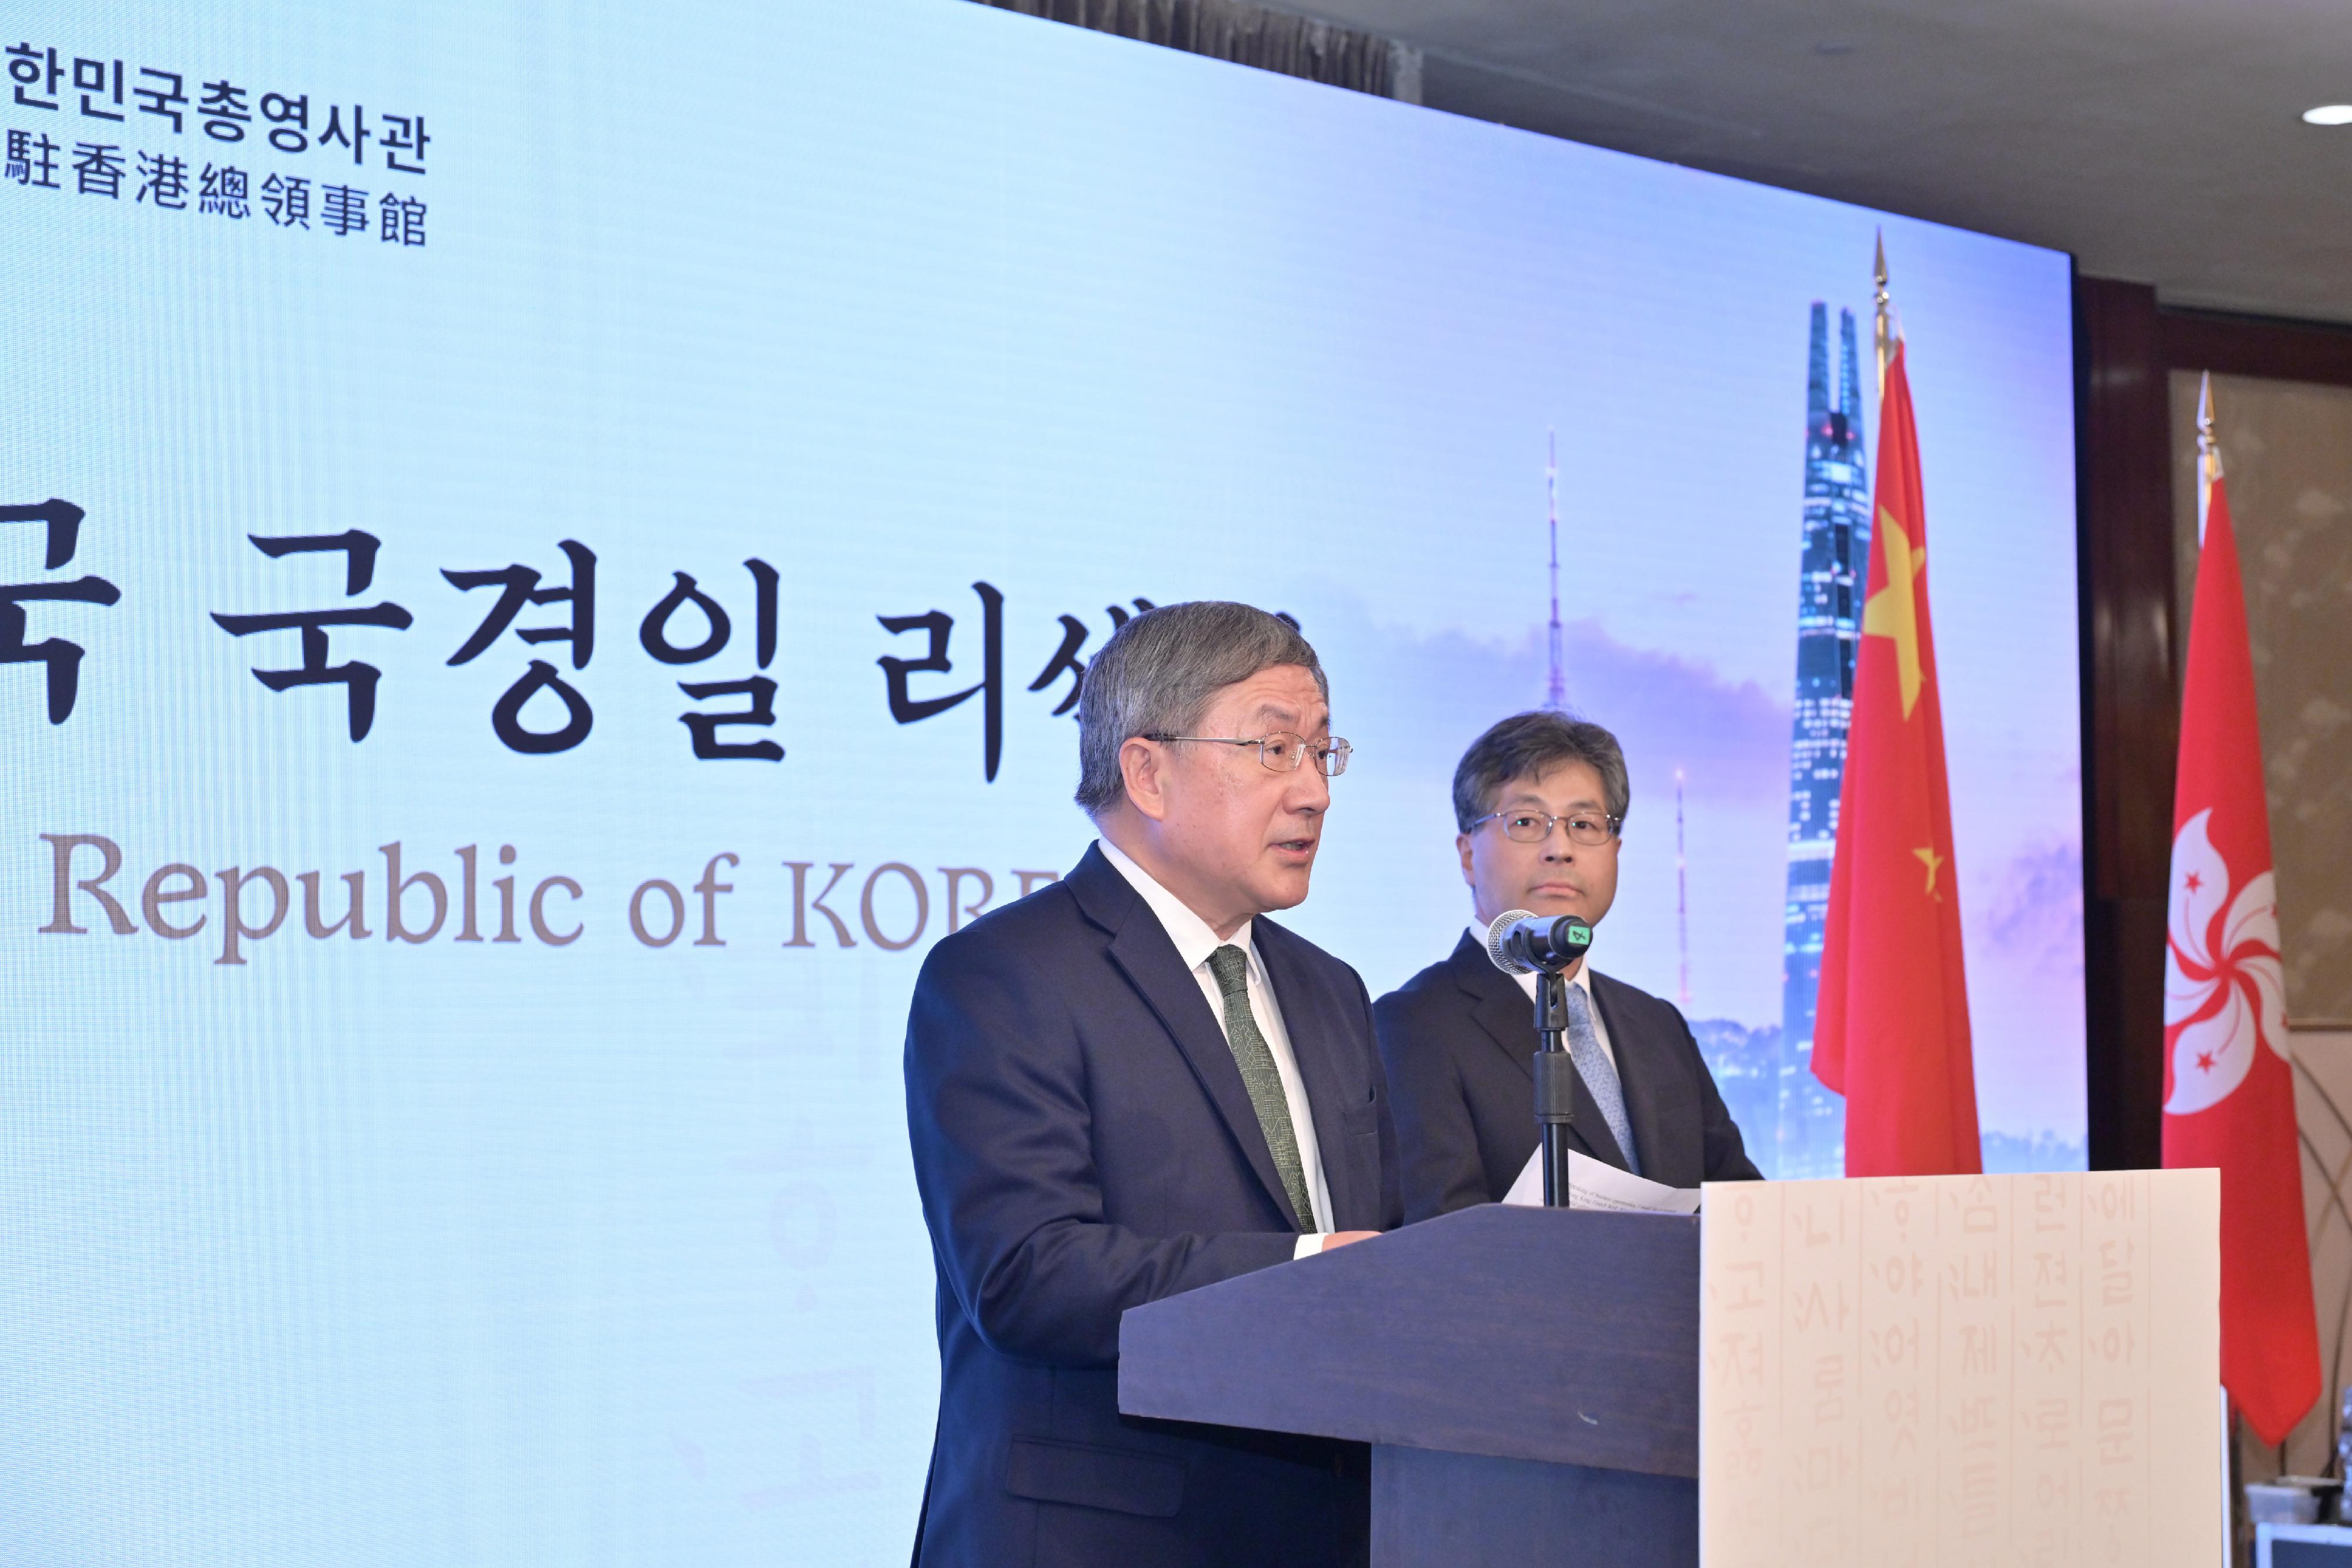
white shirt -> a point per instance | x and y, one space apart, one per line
1582 980
1194 942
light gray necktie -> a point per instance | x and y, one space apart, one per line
1230 965
1593 1066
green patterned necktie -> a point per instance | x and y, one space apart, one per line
1230 965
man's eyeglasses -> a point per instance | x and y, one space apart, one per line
1534 827
1280 752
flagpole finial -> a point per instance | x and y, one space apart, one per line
2209 452
1879 341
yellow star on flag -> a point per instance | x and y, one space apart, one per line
1934 862
1893 610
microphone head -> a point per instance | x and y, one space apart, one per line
1522 944
1499 928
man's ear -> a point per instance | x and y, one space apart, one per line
1139 764
1462 846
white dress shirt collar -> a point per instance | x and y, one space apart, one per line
1193 936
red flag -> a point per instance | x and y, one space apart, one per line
2229 1089
1891 1029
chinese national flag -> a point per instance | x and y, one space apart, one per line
1891 1030
2229 1089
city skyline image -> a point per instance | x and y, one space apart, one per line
1836 553
1762 1063
1793 1125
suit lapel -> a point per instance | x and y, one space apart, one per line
1500 1008
1141 948
1319 1051
1507 1017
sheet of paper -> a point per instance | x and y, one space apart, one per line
1596 1184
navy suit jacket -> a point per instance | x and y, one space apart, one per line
1083 1145
1459 1039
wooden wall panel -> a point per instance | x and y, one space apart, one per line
2130 712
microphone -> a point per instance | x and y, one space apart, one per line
1520 943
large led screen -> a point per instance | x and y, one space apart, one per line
548 554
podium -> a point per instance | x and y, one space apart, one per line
1527 1379
2011 1368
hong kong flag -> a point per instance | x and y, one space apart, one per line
2229 1089
1890 1027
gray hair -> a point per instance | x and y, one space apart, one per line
1158 672
1530 745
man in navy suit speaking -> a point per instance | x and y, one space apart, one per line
1127 1084
1541 800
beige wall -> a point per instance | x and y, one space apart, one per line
2323 1103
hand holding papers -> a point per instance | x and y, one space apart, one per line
1594 1184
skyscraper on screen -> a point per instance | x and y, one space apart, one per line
1556 687
1836 555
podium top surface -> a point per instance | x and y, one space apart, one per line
1532 1333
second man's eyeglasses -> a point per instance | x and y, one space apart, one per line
1534 827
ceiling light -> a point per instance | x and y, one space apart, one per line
2328 114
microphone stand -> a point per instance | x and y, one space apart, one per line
1555 1085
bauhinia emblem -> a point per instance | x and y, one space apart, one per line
2224 988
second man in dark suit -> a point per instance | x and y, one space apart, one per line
1540 802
